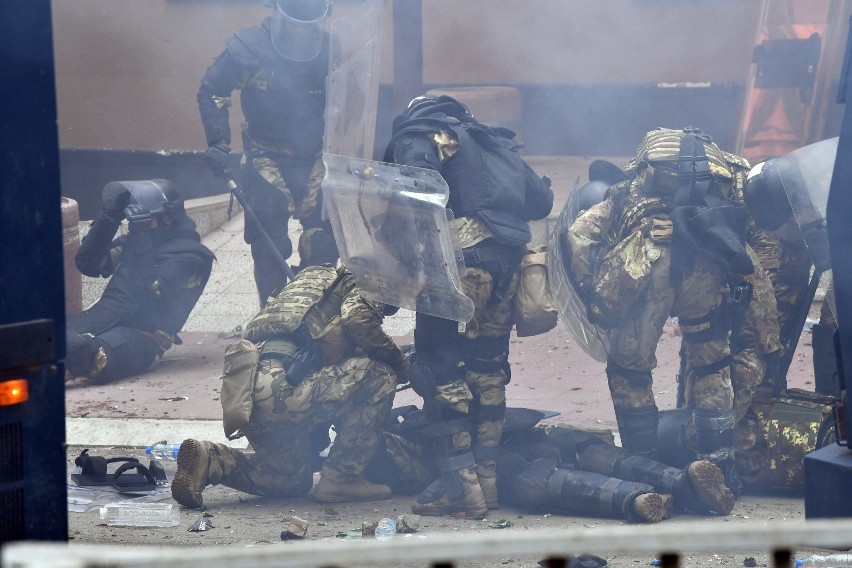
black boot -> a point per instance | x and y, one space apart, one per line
825 360
81 350
457 492
699 488
715 443
638 429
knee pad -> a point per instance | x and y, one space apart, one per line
317 246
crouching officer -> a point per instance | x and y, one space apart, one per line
315 354
157 273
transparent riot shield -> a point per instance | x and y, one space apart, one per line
353 83
569 303
806 175
390 225
389 222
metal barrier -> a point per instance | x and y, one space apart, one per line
669 541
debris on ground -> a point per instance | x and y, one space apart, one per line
202 524
294 528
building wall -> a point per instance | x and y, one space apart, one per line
128 70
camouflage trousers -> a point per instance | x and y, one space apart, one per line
753 338
482 353
634 342
354 395
279 187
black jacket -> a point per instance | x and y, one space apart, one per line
155 279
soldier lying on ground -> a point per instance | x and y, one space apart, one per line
559 469
315 355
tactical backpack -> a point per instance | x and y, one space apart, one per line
535 312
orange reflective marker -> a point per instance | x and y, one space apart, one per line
13 392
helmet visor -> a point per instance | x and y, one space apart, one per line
298 39
148 193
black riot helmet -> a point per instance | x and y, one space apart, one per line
158 196
766 197
297 28
606 171
591 194
426 105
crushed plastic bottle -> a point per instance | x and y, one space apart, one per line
385 529
130 514
163 451
843 560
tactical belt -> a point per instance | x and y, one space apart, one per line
298 362
278 348
477 255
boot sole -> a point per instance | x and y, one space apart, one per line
653 507
183 490
709 486
478 510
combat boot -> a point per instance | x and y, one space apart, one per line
652 507
541 486
709 489
486 473
328 491
457 492
193 473
700 488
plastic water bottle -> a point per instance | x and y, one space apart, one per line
831 561
385 529
131 514
162 451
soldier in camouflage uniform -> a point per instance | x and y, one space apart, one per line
281 77
463 375
322 357
669 250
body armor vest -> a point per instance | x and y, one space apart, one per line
313 298
283 101
491 183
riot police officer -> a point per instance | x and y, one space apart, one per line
280 68
157 273
493 194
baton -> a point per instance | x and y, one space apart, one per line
238 193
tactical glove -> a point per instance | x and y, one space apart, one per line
115 198
216 157
402 369
138 218
422 381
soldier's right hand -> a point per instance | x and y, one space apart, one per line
216 157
